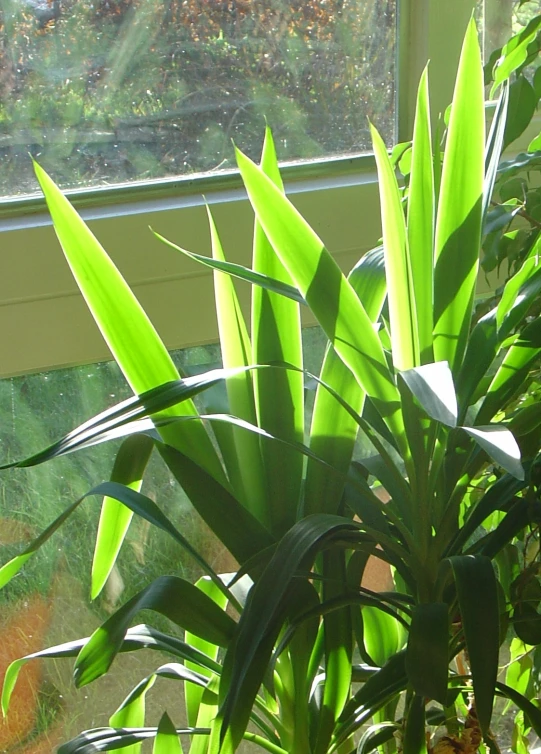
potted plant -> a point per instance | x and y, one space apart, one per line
312 658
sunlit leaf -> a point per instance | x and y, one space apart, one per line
500 445
432 385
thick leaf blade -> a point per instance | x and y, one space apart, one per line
128 332
167 740
246 473
415 727
427 653
115 518
432 385
271 597
421 212
276 337
194 694
499 443
478 602
171 596
242 534
400 288
333 431
459 217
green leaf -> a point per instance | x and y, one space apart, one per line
276 337
478 603
529 267
500 445
13 566
515 52
383 635
494 149
532 712
272 596
427 653
415 728
497 497
432 385
338 648
240 272
171 596
242 534
167 740
522 106
376 736
131 713
334 430
246 473
421 213
459 217
382 686
130 464
194 694
398 272
124 325
513 370
138 637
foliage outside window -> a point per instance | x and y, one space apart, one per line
112 91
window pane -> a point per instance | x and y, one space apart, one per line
109 91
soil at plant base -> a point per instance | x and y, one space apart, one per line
22 631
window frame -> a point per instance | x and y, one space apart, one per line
45 321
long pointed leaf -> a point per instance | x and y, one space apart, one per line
400 290
171 596
246 474
459 218
276 337
478 602
115 518
421 221
124 325
333 430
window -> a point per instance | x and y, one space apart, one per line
104 92
42 316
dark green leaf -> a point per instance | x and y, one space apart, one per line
171 596
427 653
478 603
415 728
522 104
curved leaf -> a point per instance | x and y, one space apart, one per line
240 272
115 518
432 385
171 596
459 217
128 332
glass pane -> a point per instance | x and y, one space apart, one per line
47 602
110 91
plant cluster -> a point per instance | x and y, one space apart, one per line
290 652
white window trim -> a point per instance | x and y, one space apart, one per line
43 319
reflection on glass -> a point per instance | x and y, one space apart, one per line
108 91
